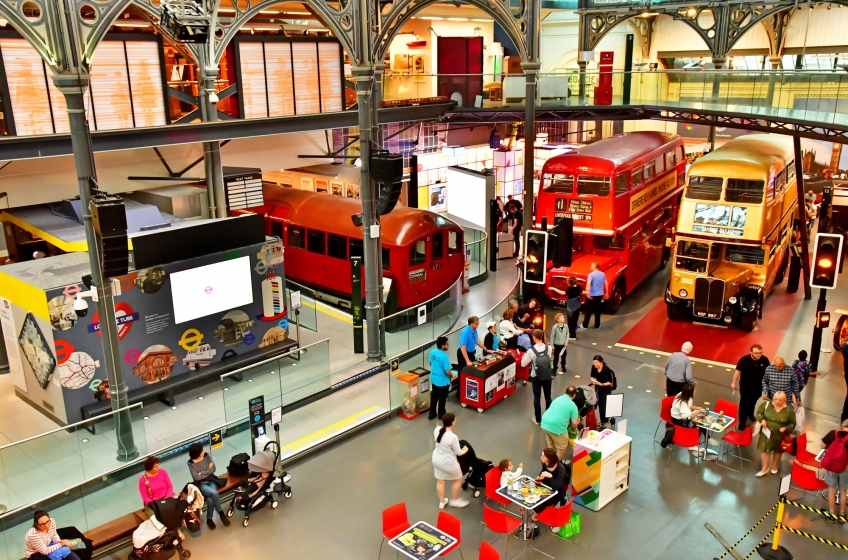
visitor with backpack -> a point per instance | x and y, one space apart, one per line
603 378
835 464
541 372
801 367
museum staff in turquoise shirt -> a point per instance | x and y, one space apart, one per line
469 340
440 377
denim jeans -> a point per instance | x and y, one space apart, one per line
213 499
538 388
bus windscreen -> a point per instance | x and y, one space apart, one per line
593 185
744 254
692 256
562 184
704 188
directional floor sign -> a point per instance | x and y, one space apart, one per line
216 439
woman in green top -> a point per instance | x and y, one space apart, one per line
779 419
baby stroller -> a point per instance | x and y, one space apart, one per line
158 538
265 480
473 469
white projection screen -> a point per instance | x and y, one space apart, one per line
202 291
467 197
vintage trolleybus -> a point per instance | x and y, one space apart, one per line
734 230
622 193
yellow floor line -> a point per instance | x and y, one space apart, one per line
708 362
330 430
334 313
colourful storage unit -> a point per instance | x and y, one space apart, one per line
601 468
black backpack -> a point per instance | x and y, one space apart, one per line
543 365
238 465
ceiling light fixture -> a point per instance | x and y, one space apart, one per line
691 12
132 24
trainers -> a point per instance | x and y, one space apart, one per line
572 337
534 420
581 327
460 503
443 503
224 519
555 530
829 517
210 523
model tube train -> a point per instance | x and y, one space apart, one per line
422 252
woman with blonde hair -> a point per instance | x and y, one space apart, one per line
776 420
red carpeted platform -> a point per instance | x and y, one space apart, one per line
712 343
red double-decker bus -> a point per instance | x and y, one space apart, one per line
622 193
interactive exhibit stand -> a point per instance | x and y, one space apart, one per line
204 298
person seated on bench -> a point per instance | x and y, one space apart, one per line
154 484
43 542
202 470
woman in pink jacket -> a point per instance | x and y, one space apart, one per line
155 483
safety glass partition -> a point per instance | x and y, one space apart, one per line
40 466
308 316
244 384
14 526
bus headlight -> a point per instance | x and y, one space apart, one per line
682 292
732 301
728 319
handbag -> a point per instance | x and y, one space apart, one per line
591 420
788 444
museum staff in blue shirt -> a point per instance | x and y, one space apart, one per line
469 340
440 377
595 285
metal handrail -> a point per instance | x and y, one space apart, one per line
284 355
74 425
575 71
449 288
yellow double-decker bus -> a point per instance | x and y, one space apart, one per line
733 232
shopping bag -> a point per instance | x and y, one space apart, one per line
572 528
591 420
788 444
800 419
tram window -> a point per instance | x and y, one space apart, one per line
588 184
316 242
659 165
743 190
622 183
438 249
704 188
635 239
744 254
387 261
356 249
790 171
563 184
454 242
669 160
636 177
337 246
649 171
692 256
681 154
614 243
417 253
276 228
295 237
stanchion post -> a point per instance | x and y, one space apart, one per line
774 551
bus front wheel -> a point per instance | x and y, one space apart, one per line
675 312
616 298
749 321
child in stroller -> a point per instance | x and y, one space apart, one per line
158 538
264 481
473 469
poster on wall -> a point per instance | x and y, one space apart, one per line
418 65
36 351
306 183
472 389
352 190
322 186
336 188
13 351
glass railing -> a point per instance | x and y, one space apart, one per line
308 316
37 467
804 95
477 248
418 357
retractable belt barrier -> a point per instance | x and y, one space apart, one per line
751 530
823 513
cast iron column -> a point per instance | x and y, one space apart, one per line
531 70
364 77
73 87
211 150
772 79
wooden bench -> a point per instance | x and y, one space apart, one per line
165 391
114 533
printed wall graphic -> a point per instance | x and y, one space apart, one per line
271 255
155 364
273 336
232 329
151 280
124 317
199 357
13 350
64 349
62 314
36 351
191 339
273 304
472 389
77 370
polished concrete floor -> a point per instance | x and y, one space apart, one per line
339 492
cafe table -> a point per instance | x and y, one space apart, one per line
512 492
714 423
422 541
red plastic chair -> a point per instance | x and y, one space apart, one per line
452 527
554 517
493 482
488 552
803 456
665 415
686 438
395 521
729 408
499 523
740 440
805 479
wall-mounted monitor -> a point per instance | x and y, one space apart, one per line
202 291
